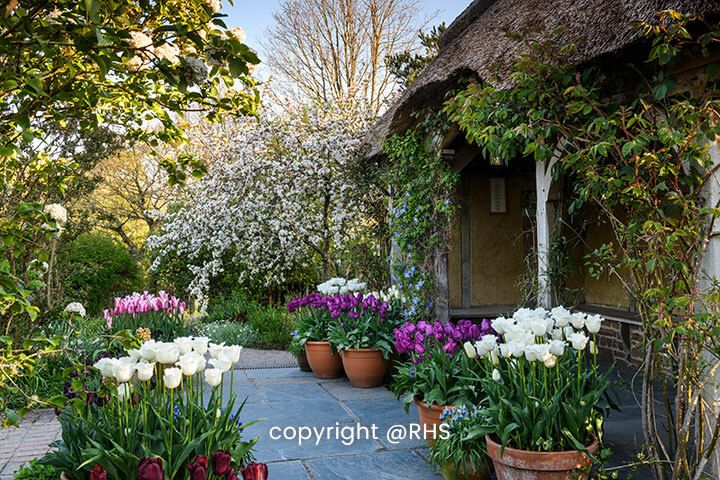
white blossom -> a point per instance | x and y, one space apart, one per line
76 307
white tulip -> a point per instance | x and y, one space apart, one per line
216 349
200 345
123 371
145 371
517 349
213 376
105 365
220 364
147 350
167 353
188 363
505 350
496 375
578 340
593 323
233 352
593 348
550 361
578 320
556 334
530 354
201 363
123 391
567 331
557 347
499 324
494 358
470 350
185 344
172 378
538 327
135 354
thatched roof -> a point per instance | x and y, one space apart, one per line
477 42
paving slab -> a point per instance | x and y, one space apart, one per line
403 465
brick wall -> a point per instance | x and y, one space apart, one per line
621 342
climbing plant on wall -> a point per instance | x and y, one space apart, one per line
642 158
422 186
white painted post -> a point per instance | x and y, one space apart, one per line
711 270
543 182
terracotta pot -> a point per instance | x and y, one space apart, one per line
450 472
302 361
323 362
517 464
430 419
365 367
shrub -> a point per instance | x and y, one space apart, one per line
272 323
231 332
97 268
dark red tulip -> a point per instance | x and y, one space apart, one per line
198 468
231 475
150 469
220 461
98 473
255 471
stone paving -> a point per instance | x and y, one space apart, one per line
287 397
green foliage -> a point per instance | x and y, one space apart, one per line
36 471
405 66
96 268
272 323
163 327
372 328
459 453
642 159
232 333
444 380
422 185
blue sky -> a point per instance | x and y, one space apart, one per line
255 16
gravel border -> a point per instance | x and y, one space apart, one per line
252 358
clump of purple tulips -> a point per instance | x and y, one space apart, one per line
417 339
354 305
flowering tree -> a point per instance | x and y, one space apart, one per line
285 198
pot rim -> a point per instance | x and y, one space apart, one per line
549 461
317 342
363 350
418 402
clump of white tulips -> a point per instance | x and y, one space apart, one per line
540 374
158 390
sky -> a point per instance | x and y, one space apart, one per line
255 16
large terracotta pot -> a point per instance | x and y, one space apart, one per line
302 361
324 363
517 464
450 472
430 419
365 367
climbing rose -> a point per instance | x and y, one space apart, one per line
255 471
150 469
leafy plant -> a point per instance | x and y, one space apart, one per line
232 333
460 453
36 471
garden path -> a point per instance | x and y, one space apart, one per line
287 397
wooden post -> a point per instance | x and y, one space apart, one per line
543 215
711 271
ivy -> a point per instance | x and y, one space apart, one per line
422 185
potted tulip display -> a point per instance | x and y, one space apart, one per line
545 394
460 457
363 335
313 321
297 348
433 376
